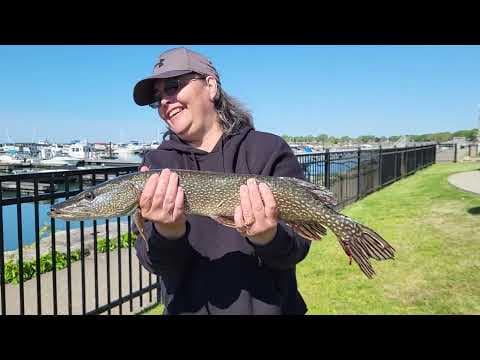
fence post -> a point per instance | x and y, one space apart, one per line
380 166
395 162
434 154
421 156
326 173
455 153
416 159
358 172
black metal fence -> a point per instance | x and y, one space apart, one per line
88 267
448 152
77 273
351 175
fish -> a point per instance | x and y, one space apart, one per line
308 209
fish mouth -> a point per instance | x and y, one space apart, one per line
62 215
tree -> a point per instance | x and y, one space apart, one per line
332 140
366 138
470 135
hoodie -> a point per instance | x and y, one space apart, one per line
212 269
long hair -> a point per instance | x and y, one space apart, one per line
232 114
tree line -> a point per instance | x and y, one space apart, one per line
470 135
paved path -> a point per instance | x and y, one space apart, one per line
468 181
30 287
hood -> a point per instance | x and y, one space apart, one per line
227 147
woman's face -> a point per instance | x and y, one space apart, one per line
187 104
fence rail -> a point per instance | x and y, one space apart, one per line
351 175
88 267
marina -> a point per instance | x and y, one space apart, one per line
33 157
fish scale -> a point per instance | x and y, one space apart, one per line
307 208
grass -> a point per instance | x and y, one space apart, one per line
12 267
152 310
437 265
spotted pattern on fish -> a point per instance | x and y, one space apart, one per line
307 208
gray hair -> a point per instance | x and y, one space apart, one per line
232 114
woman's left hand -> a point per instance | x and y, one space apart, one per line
257 215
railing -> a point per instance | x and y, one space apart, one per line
74 270
77 274
450 152
351 175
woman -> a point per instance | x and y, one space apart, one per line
205 267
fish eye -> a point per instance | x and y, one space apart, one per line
89 195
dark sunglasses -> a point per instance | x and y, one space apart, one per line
171 86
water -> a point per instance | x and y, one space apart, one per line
10 227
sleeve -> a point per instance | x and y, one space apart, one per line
169 259
287 248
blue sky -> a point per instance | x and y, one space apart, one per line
62 93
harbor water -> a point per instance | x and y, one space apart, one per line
10 225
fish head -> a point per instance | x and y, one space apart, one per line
108 200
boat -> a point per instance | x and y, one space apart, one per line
133 147
61 161
7 159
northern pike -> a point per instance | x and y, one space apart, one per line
307 208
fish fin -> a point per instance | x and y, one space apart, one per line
140 222
319 192
367 245
224 220
312 231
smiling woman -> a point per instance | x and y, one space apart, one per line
197 259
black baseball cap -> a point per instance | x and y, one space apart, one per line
172 63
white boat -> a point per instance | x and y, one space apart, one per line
80 151
153 145
60 161
14 160
132 147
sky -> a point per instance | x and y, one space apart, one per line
61 93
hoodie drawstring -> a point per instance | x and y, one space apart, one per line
222 155
195 160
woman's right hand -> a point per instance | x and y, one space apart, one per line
162 202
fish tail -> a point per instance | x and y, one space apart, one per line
361 244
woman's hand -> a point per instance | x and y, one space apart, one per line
257 215
162 202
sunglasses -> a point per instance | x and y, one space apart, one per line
171 86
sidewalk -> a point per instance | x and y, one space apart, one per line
30 295
468 181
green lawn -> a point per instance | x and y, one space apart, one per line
437 265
